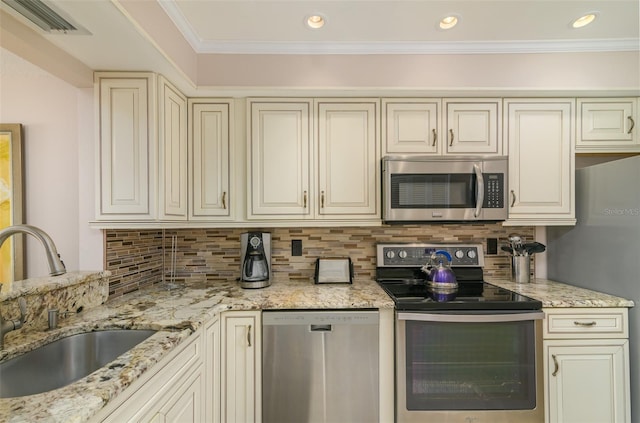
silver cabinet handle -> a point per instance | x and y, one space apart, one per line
556 366
450 137
224 200
249 335
304 200
479 190
322 199
435 137
513 198
589 324
632 124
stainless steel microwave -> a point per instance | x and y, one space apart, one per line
429 189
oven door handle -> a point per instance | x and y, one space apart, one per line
472 318
479 190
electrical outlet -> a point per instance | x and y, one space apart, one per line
492 246
296 247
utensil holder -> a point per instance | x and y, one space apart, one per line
520 269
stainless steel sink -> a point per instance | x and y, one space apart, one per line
65 360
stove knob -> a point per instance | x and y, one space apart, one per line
390 254
459 254
471 254
402 254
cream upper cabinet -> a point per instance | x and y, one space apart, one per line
126 146
430 126
586 364
279 159
540 136
210 145
472 126
172 152
348 158
411 126
313 159
142 145
607 125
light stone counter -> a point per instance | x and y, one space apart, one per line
176 314
556 294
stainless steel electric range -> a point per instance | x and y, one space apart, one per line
473 354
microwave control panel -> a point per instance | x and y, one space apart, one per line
493 191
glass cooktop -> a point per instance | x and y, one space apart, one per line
416 295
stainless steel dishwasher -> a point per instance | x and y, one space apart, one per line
320 366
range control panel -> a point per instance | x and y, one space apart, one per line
416 255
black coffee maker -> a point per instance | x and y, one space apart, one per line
255 259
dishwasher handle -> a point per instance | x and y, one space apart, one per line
320 328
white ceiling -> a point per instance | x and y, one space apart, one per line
117 41
391 26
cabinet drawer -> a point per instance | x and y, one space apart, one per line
586 323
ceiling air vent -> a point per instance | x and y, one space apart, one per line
42 15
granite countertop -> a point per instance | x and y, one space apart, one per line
557 295
178 313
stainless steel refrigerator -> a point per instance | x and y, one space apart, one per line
602 252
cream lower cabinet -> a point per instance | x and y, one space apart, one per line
608 125
540 136
174 392
586 360
241 383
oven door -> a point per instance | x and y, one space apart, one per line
469 367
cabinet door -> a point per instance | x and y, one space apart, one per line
184 406
209 159
410 126
212 371
348 158
541 161
241 355
607 125
279 159
472 126
587 381
172 136
126 146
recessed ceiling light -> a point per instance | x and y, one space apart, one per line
584 20
448 22
315 21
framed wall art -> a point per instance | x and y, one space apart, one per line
11 201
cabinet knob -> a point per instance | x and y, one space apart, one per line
304 200
224 200
450 137
513 198
322 199
556 366
633 123
588 324
249 335
435 137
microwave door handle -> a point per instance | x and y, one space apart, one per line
479 190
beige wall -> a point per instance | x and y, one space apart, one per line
58 150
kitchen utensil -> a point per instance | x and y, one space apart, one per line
534 248
516 244
507 249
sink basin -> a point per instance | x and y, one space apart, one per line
65 360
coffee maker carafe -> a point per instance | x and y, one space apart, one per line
255 259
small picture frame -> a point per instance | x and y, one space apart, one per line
334 270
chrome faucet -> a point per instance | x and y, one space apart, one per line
9 325
55 264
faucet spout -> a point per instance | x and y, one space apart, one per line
56 266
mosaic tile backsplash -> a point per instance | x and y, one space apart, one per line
138 258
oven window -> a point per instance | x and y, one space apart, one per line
433 191
470 366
